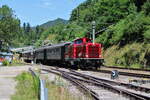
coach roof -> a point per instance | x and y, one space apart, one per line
53 46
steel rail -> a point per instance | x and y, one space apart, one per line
136 69
123 73
135 95
77 83
120 91
92 93
131 86
99 81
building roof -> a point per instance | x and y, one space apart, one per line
6 54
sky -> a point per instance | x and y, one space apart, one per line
37 12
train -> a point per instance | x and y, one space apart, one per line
80 53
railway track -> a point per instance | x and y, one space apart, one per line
136 69
75 82
127 85
125 72
78 78
82 86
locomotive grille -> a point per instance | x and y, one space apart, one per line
93 51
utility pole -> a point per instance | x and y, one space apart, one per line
78 13
93 28
1 44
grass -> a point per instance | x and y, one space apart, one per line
13 63
135 55
27 87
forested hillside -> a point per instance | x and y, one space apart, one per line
54 22
122 26
12 34
124 21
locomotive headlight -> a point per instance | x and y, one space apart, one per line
86 56
100 56
80 54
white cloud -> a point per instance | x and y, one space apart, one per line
45 4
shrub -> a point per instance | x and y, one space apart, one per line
27 87
146 8
147 36
5 63
135 55
131 57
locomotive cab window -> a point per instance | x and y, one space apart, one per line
88 41
80 41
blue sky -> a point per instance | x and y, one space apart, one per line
37 12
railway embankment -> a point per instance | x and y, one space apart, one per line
135 55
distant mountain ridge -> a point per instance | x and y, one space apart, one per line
54 22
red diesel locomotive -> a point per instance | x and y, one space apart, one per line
81 53
84 53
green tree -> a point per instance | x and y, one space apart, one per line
9 25
24 27
28 28
146 8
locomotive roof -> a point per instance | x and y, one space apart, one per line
81 38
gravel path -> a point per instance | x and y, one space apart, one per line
7 81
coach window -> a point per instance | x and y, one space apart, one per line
66 48
79 41
57 50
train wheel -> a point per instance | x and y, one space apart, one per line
96 66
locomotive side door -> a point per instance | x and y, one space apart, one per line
78 46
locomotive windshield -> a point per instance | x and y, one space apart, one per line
80 41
